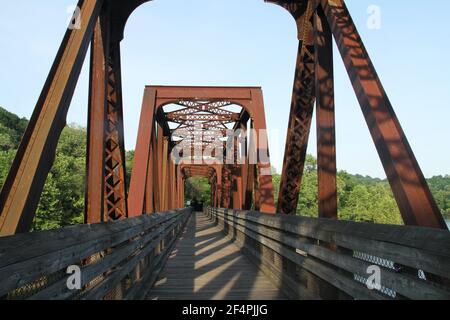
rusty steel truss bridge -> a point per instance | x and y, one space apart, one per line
141 242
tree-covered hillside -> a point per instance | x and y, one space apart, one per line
62 203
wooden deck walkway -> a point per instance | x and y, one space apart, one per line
206 265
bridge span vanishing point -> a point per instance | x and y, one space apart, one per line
142 242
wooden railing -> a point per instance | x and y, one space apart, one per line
326 259
117 260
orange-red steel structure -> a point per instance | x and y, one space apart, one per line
199 136
157 183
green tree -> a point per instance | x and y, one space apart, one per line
6 159
198 188
440 187
129 157
308 202
360 198
62 200
12 126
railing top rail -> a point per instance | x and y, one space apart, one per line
433 240
28 245
413 262
30 262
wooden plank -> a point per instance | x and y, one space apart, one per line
436 261
116 276
430 239
52 251
330 275
199 268
25 246
59 290
408 286
413 257
18 274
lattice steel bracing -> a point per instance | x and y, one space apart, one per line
105 170
199 125
115 184
301 110
157 184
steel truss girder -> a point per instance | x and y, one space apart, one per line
22 189
314 78
23 186
106 199
223 178
416 203
303 99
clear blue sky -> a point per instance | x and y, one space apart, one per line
249 42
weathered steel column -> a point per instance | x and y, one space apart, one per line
409 186
164 172
180 201
23 187
226 187
95 157
250 198
264 190
244 165
237 188
172 198
326 136
301 108
182 192
105 199
219 171
115 172
159 149
141 184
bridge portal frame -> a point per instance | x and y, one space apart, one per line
232 185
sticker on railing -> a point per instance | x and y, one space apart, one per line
74 281
374 280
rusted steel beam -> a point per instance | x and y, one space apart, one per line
177 93
301 110
250 201
22 189
237 176
326 135
226 187
173 186
165 171
180 201
159 175
202 105
95 159
244 165
150 179
409 186
143 164
202 117
105 200
264 189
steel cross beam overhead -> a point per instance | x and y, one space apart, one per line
157 183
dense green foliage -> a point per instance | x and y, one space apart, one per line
129 158
359 198
62 202
197 189
440 187
11 130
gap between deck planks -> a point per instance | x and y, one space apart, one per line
206 265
